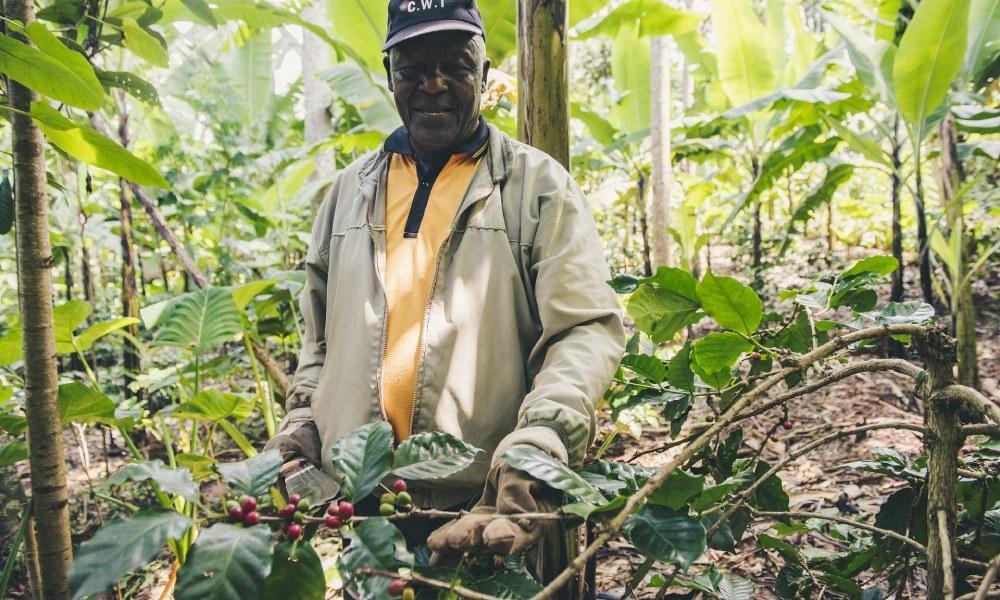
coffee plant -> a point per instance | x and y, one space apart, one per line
944 519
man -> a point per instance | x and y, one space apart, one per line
456 283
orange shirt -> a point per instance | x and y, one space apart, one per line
410 269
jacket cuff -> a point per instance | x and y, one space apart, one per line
544 438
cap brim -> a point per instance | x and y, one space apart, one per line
429 27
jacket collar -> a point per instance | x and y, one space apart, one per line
499 161
399 142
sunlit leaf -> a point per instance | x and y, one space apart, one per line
227 562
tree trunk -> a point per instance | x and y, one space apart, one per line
34 292
660 209
897 228
68 273
641 210
543 77
943 442
317 92
926 287
132 360
963 310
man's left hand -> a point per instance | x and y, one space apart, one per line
508 491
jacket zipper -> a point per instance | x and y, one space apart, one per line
427 306
385 321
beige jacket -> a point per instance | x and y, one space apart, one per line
522 333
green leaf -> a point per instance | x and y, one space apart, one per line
88 336
984 31
662 312
716 379
552 472
679 374
76 62
500 25
142 44
213 405
12 453
360 24
905 313
6 205
600 129
374 543
835 177
178 482
872 58
652 17
245 294
46 75
732 304
771 494
135 86
679 488
373 104
744 71
879 265
86 145
363 458
253 77
227 562
717 351
200 9
13 424
646 366
885 26
929 59
431 455
11 349
665 535
253 476
120 546
298 575
66 318
630 68
200 321
80 403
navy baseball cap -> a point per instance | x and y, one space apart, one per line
411 18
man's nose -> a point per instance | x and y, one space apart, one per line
434 81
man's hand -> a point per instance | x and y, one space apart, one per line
301 449
508 491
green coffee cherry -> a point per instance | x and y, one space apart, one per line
386 509
404 499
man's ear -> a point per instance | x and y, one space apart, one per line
388 73
486 72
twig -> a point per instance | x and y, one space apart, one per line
845 521
973 399
427 581
891 364
946 564
991 574
982 429
747 493
636 500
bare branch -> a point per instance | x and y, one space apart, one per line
748 493
946 563
991 574
982 429
814 515
973 399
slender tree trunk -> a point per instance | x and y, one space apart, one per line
943 442
756 253
68 273
897 228
34 292
962 308
641 210
543 77
317 92
132 360
926 287
661 168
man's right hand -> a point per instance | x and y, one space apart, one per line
301 451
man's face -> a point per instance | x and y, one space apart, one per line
437 80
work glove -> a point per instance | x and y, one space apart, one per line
507 491
301 449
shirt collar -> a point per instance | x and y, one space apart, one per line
399 142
